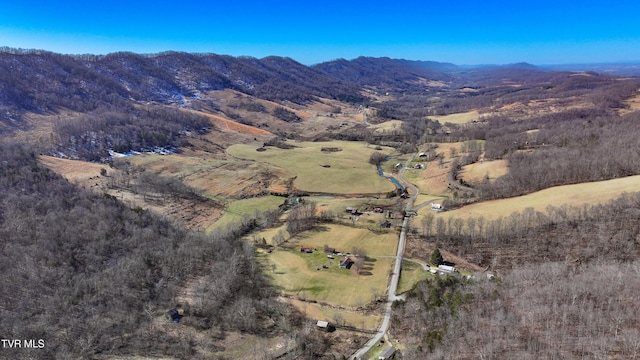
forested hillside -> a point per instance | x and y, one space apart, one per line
90 276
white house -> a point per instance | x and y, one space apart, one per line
437 207
446 269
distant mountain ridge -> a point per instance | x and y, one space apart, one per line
41 82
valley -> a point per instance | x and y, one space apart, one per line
504 171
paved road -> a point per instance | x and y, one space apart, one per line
395 276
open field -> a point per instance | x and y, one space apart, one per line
338 205
433 179
571 195
75 171
391 125
235 210
356 319
230 125
459 118
368 219
633 103
297 273
476 173
346 171
219 178
411 273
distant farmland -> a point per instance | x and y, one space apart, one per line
343 169
571 195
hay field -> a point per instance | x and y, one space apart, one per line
296 273
476 173
342 172
571 195
459 118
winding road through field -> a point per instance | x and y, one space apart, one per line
395 275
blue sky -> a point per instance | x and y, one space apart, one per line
461 32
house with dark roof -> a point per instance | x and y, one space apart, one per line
346 262
330 250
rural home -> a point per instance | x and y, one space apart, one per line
307 250
446 269
388 353
330 250
346 262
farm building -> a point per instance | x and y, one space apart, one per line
330 250
307 250
346 262
388 353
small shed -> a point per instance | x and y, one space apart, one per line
436 207
388 353
323 325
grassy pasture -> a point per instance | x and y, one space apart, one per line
218 178
342 172
459 118
235 210
296 273
433 179
350 318
571 195
475 173
369 219
387 126
411 273
338 205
